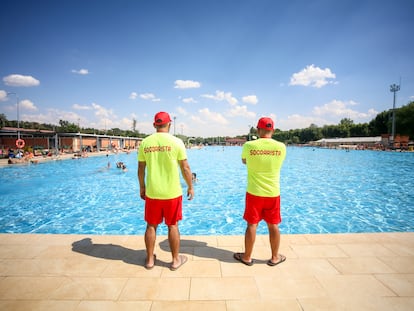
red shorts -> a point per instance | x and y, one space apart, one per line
170 210
258 208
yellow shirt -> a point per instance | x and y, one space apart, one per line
161 153
264 159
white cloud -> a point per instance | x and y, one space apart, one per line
186 84
80 107
297 121
312 76
102 112
241 111
27 105
182 111
3 96
250 99
330 113
198 120
133 95
82 72
340 109
214 117
149 96
222 96
20 80
189 100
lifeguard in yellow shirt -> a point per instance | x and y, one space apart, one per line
263 158
160 156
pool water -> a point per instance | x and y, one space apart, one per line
323 191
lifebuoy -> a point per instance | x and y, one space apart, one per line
20 143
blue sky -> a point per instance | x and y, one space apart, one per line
216 66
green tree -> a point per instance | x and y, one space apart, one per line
404 117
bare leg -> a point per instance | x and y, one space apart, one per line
249 239
150 236
274 237
174 241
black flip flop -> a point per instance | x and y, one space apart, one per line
282 258
239 257
183 259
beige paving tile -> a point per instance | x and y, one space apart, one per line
340 303
123 269
196 268
229 288
400 249
188 306
85 267
360 265
236 269
365 250
310 267
38 305
88 288
114 306
318 251
401 264
282 288
28 288
19 267
401 284
19 239
20 252
57 252
354 286
399 303
320 304
156 289
291 239
338 238
264 305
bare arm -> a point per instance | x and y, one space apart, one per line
186 172
141 178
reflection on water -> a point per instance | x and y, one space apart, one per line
323 191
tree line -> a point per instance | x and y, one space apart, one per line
381 124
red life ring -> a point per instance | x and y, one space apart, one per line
20 143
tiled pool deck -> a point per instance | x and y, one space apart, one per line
372 271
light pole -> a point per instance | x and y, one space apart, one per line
174 124
393 88
18 118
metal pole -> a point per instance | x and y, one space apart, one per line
393 88
18 118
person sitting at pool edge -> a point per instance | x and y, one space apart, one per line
263 158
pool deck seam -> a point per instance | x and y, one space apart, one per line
71 272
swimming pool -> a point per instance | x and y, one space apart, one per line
323 191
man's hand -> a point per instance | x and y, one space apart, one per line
190 193
142 193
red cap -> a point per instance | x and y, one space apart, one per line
265 123
161 118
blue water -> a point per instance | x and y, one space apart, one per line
323 191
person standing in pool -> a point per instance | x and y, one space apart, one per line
263 158
159 157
